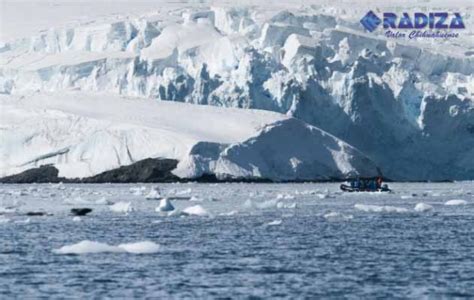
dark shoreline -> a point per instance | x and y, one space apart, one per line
150 170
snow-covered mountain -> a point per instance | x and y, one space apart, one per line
406 104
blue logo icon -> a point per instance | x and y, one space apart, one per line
370 21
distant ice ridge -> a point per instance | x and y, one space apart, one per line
398 102
85 247
84 134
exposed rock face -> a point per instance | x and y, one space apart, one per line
81 211
147 170
43 174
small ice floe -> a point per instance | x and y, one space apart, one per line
196 199
196 210
377 208
154 194
7 210
406 196
103 201
423 207
137 191
282 204
60 186
165 205
76 219
306 192
274 223
82 201
285 196
322 196
177 213
18 193
121 207
4 220
456 202
145 247
267 204
248 203
230 213
183 192
336 216
25 221
84 247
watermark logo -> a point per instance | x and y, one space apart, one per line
370 21
415 25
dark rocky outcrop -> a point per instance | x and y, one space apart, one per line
43 174
37 214
147 170
80 211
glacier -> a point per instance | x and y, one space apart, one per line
346 102
84 134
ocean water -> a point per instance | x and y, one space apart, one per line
249 241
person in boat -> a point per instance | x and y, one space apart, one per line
379 182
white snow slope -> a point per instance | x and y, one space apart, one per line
407 104
84 134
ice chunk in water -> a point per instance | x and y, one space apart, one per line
154 193
122 207
184 192
456 202
4 220
84 247
87 247
336 216
286 205
137 191
196 199
422 207
377 208
145 247
165 205
196 210
275 223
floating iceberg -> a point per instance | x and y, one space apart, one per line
455 202
165 205
85 247
196 210
423 207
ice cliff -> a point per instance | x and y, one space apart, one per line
84 134
407 105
